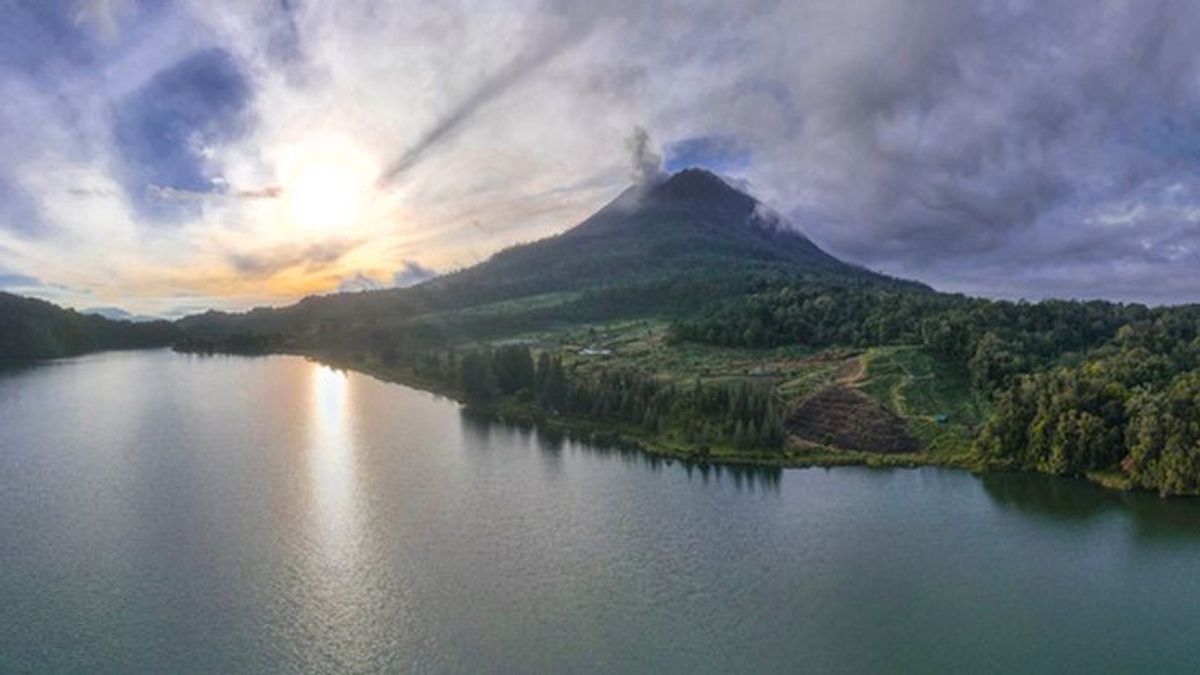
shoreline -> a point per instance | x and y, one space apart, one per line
792 456
795 454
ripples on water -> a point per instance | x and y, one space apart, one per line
170 513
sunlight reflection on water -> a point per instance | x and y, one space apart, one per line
229 514
332 465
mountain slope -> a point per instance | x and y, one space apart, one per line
692 221
660 248
36 329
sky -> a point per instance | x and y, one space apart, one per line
167 156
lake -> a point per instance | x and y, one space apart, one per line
167 513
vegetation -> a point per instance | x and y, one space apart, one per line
236 343
1067 388
699 415
35 329
1131 408
688 317
995 340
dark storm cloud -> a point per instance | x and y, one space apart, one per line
986 134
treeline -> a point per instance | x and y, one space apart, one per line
1132 407
740 415
34 329
248 344
1077 387
995 340
660 295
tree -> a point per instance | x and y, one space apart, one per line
478 381
554 395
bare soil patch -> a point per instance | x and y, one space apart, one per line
846 418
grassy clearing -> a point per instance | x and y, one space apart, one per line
642 345
934 398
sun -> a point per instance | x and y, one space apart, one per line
326 185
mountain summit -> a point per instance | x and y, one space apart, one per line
706 216
655 249
692 221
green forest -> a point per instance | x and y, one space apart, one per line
35 329
1075 387
685 318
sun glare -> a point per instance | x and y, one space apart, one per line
326 185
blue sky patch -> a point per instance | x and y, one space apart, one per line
162 128
12 280
18 210
39 36
723 153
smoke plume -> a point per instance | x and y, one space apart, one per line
646 164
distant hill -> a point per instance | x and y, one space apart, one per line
661 248
664 249
118 314
36 329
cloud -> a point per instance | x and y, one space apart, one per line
1013 148
646 164
492 87
19 212
104 16
311 257
119 314
411 274
358 282
164 130
37 37
218 192
9 280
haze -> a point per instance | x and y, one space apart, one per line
168 156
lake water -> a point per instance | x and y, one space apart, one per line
174 514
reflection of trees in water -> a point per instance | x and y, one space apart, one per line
480 428
15 367
1075 499
749 476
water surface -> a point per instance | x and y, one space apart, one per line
169 513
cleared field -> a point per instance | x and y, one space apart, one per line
934 398
844 417
642 345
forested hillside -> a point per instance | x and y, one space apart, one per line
657 249
688 315
35 329
1077 387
